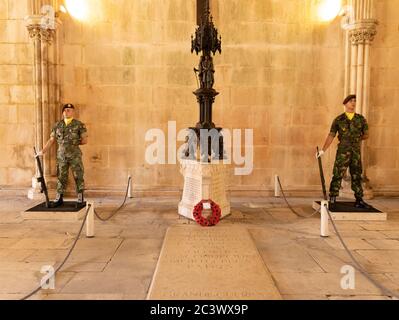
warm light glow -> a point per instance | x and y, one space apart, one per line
63 9
329 9
78 9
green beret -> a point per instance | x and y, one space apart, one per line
349 98
67 106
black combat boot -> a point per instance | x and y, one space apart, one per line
58 201
80 201
333 201
360 204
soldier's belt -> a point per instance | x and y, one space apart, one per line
69 143
349 145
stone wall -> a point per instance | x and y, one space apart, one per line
384 138
278 75
16 96
128 69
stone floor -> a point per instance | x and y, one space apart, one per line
119 262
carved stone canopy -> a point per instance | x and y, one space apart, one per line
206 36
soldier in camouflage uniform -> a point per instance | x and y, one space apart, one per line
352 128
69 134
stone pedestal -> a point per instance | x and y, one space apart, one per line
203 181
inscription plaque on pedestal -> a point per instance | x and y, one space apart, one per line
203 181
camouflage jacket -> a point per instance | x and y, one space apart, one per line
350 132
69 137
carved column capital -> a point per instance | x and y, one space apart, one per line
47 35
363 33
34 31
39 29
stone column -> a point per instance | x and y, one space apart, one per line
361 27
35 34
41 26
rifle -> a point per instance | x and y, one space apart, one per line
323 181
41 178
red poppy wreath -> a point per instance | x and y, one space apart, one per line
212 219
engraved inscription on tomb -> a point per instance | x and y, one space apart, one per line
206 263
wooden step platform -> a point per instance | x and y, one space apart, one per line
67 212
345 210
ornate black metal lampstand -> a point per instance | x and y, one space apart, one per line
207 42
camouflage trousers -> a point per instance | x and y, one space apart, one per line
347 157
76 165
